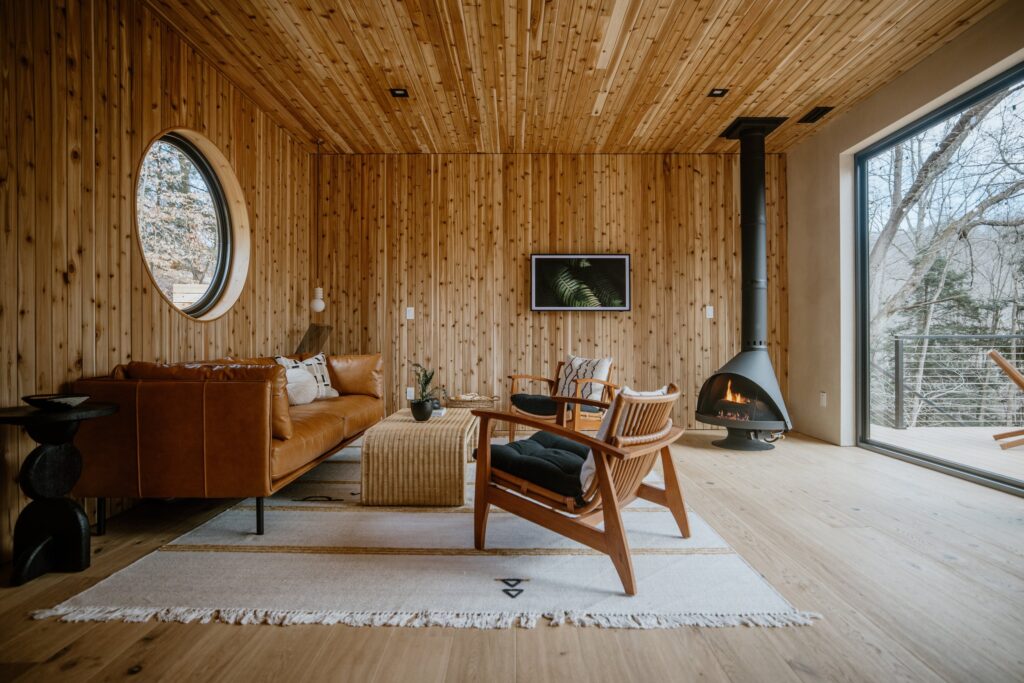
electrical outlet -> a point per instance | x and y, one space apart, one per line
410 313
823 399
409 393
709 311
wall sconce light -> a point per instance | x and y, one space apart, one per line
317 305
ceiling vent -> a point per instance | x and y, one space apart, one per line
815 115
399 92
718 92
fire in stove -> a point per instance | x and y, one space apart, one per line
731 406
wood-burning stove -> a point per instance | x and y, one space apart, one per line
744 395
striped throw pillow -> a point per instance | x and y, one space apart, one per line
316 366
576 368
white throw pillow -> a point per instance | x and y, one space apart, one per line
317 367
589 466
576 368
301 386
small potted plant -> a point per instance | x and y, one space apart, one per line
423 405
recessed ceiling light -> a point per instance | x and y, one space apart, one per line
718 92
398 92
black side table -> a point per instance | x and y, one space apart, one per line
52 532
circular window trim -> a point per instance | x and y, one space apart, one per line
232 220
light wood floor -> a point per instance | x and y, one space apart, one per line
920 577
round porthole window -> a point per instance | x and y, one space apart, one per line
185 224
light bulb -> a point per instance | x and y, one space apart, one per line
317 305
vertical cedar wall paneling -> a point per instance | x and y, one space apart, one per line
84 86
451 235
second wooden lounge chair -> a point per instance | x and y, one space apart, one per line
1017 378
542 408
538 479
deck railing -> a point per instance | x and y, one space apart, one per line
947 381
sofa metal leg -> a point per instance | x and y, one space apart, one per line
259 516
101 516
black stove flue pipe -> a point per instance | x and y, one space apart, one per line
751 131
752 365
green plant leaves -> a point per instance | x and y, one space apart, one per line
578 285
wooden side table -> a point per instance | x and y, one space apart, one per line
405 462
52 532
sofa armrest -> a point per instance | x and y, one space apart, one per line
177 438
109 445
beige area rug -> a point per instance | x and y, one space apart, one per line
325 559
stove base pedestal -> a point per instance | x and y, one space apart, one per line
740 440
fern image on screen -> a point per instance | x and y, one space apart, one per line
596 282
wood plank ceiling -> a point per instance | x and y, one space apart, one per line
573 76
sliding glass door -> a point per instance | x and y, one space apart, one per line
941 286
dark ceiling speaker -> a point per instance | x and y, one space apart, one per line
398 92
815 115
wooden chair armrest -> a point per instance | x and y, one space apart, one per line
581 401
533 378
1007 367
594 380
487 415
608 390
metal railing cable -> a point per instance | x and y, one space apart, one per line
946 380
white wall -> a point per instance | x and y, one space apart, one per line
822 343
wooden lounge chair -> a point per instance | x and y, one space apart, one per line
1017 378
540 407
640 432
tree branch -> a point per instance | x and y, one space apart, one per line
932 167
954 229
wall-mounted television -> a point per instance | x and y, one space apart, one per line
580 282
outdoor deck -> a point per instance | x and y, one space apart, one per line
971 446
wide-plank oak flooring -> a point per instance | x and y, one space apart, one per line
920 577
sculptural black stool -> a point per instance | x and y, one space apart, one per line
52 532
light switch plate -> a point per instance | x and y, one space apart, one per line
823 399
409 394
709 311
410 313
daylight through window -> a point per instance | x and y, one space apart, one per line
942 281
183 224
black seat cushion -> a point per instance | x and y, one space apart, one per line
539 404
535 404
547 460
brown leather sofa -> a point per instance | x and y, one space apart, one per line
218 429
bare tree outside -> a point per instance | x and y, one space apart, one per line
946 268
177 223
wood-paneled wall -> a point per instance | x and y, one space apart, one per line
451 236
85 85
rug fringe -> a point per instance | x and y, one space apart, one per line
485 620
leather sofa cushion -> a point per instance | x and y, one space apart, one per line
357 374
544 459
319 427
361 412
281 422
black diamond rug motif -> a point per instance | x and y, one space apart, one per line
512 592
